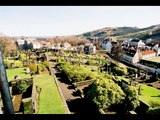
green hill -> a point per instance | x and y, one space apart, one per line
125 33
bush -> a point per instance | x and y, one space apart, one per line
154 104
22 56
132 98
36 68
18 64
61 59
12 64
76 73
41 66
21 86
113 64
46 64
33 68
119 71
104 93
91 62
6 64
131 70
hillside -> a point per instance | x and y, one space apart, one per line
125 33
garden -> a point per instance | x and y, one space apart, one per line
95 77
39 71
110 81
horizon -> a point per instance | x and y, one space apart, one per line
55 21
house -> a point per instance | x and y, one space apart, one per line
20 43
89 48
148 41
80 48
157 49
131 56
56 46
136 43
65 46
107 45
36 45
147 54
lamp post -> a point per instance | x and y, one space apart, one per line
4 88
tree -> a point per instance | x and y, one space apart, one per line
30 46
7 44
132 98
25 46
104 93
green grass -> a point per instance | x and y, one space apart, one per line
150 94
50 101
16 71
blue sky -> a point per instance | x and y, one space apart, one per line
72 20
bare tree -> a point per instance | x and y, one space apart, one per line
7 44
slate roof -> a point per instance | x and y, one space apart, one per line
135 40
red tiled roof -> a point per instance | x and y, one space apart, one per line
146 52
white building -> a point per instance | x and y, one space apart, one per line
20 43
107 46
157 49
136 43
131 56
36 45
90 48
147 54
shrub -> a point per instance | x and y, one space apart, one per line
113 64
132 98
22 56
154 104
90 62
131 70
12 64
76 73
21 86
41 66
18 64
6 64
104 93
46 64
33 68
118 71
61 59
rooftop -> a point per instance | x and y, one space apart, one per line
146 52
135 40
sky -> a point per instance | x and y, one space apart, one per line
73 20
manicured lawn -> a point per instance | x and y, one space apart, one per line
17 71
150 94
50 101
